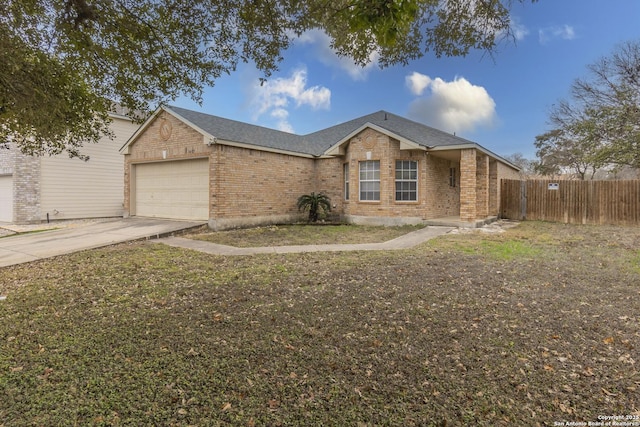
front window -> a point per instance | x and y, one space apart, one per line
370 180
346 181
406 180
452 177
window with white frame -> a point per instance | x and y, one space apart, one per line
345 168
406 180
370 180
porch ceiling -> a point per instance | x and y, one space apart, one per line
451 155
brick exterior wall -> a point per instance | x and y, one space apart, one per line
7 160
468 196
247 186
258 184
442 199
329 179
436 198
482 185
183 143
373 145
251 187
26 184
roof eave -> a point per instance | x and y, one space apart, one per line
477 147
125 149
208 138
262 148
119 116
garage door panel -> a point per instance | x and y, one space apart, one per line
178 189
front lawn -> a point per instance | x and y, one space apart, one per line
290 235
533 326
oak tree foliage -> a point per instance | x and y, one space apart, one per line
64 62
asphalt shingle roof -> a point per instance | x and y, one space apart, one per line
417 132
235 131
317 143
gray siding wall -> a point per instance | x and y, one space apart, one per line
72 188
68 188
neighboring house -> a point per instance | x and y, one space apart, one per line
380 168
34 189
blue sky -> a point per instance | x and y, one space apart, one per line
501 103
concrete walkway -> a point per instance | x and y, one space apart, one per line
71 237
403 242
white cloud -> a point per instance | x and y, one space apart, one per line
282 115
275 96
321 43
455 106
564 32
417 82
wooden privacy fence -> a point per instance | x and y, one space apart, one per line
579 202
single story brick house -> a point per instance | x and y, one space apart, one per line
380 168
34 189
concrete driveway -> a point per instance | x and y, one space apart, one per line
22 248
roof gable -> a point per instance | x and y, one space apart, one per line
392 124
338 148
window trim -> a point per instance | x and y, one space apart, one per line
397 180
374 180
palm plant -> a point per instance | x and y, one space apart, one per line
314 203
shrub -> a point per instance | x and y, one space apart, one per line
314 203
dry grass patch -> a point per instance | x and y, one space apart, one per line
289 235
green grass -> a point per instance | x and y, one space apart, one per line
509 250
526 327
490 247
634 261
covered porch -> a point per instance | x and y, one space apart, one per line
479 186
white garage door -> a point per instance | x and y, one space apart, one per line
6 198
178 190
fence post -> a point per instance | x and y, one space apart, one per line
523 200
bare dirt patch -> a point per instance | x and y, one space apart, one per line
532 326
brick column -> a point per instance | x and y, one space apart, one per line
468 196
482 186
26 189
